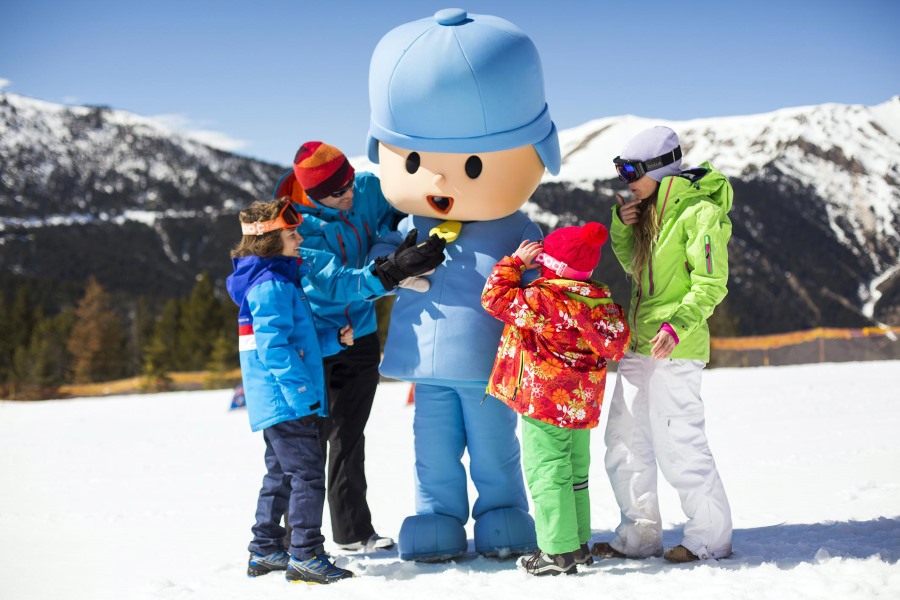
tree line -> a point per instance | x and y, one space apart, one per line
102 337
56 334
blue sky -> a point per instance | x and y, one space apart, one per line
263 76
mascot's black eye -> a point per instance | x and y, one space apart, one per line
412 162
473 167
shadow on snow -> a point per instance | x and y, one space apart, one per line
785 546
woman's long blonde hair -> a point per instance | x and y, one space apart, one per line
645 232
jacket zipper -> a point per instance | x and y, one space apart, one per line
344 261
358 240
343 249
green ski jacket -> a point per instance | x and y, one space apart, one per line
687 274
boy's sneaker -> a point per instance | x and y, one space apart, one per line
680 554
540 563
604 550
260 565
583 556
318 569
375 542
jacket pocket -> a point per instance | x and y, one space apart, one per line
519 374
707 250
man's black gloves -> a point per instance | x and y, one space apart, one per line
409 260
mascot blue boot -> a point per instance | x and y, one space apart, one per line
462 132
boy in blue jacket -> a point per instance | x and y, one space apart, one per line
284 382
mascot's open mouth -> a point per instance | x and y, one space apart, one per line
442 204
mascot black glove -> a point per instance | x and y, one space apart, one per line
409 260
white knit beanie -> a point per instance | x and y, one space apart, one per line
651 143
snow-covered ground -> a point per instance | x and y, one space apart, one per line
153 497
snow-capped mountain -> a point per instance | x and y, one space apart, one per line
848 155
833 169
94 190
816 213
114 161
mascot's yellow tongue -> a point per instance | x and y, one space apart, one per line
449 230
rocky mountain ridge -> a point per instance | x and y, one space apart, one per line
91 190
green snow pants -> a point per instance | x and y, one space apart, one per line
556 462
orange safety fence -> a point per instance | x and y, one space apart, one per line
800 347
779 340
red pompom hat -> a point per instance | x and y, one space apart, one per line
573 252
321 169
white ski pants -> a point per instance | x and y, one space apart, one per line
656 417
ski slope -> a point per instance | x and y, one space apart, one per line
151 497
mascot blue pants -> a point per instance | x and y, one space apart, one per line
449 420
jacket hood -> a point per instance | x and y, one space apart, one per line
587 295
704 180
583 291
248 269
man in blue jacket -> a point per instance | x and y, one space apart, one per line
344 212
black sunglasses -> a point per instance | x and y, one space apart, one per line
342 191
632 170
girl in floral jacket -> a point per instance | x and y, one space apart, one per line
551 368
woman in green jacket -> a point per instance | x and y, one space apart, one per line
671 238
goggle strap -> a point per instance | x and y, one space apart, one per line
257 228
661 161
260 227
561 268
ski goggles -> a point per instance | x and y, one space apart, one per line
631 170
288 218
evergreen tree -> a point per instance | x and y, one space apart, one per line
19 315
155 372
97 340
141 324
7 349
229 315
201 323
40 368
223 359
166 337
26 312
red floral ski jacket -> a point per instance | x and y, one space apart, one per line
551 363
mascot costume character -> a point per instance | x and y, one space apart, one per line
462 132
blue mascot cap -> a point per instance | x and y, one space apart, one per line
460 83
